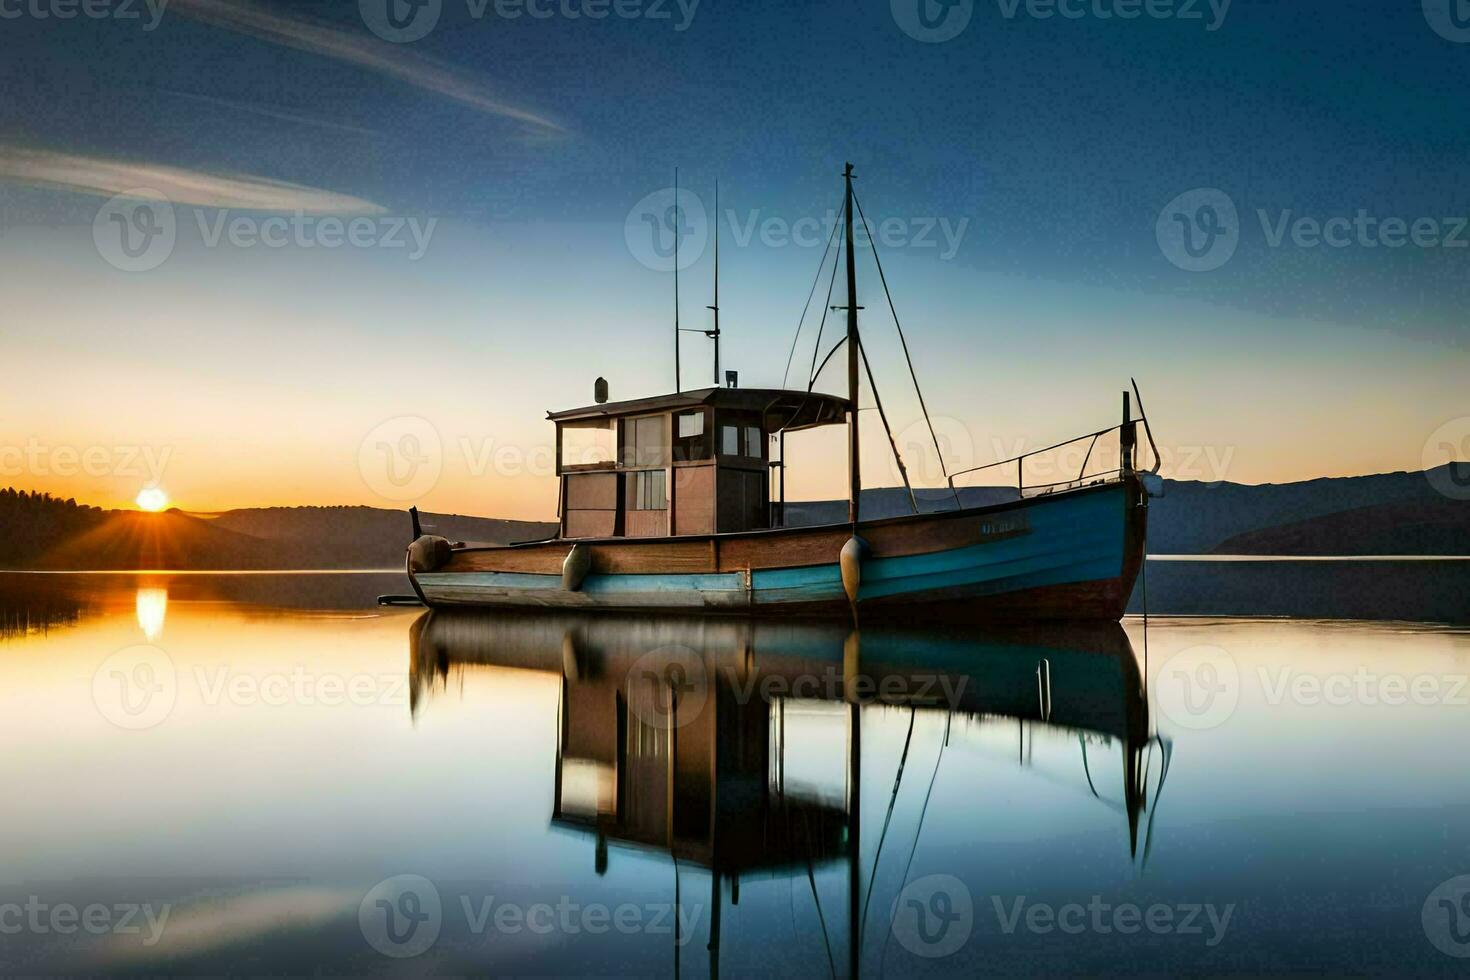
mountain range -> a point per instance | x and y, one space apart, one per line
1386 514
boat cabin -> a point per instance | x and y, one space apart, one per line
696 462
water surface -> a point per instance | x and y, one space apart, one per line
271 774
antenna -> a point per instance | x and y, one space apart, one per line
715 333
675 212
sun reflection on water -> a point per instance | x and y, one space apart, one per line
152 606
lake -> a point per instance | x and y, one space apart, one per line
270 774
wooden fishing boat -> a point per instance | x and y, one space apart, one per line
681 507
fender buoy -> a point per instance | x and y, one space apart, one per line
428 553
851 562
576 566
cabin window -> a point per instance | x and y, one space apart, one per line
691 436
643 441
730 440
738 440
587 444
647 490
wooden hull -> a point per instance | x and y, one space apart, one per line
1064 556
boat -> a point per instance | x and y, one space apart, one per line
676 503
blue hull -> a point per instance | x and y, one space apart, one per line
1066 556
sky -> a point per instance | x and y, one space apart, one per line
347 253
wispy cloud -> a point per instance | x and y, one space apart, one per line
105 178
272 112
358 49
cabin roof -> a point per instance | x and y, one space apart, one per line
781 408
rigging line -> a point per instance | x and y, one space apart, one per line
826 308
903 470
1082 741
1166 748
813 292
812 878
948 718
904 341
862 923
835 348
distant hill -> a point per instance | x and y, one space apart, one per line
1390 513
1403 527
38 531
1198 518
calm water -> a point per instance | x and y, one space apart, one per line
269 774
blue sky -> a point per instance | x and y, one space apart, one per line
1026 165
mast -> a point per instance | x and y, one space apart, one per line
715 333
675 212
855 479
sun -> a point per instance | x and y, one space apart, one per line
151 499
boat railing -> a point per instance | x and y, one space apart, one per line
1127 443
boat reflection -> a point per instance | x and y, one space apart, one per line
735 746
